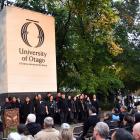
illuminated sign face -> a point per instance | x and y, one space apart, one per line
25 33
27 51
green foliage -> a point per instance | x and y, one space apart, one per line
129 61
84 50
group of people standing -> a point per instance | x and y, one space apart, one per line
61 108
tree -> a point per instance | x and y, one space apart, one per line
127 34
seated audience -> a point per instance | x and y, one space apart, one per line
101 131
31 124
24 133
136 131
122 134
48 133
66 133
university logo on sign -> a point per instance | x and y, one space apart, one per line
25 33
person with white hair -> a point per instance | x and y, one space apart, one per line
101 131
14 136
48 133
31 124
66 132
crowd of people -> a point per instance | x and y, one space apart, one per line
37 118
32 131
61 108
101 129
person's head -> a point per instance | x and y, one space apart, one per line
92 110
115 111
48 122
74 98
31 118
128 119
10 99
59 94
69 97
137 117
14 99
36 97
121 134
94 97
49 94
136 131
22 129
108 116
66 133
39 96
51 98
123 109
85 96
27 99
81 97
6 100
101 131
14 136
18 100
88 99
63 96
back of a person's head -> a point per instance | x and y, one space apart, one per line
137 117
116 111
22 129
129 119
31 118
123 108
108 116
92 109
103 129
65 126
122 134
14 136
136 131
48 122
66 133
